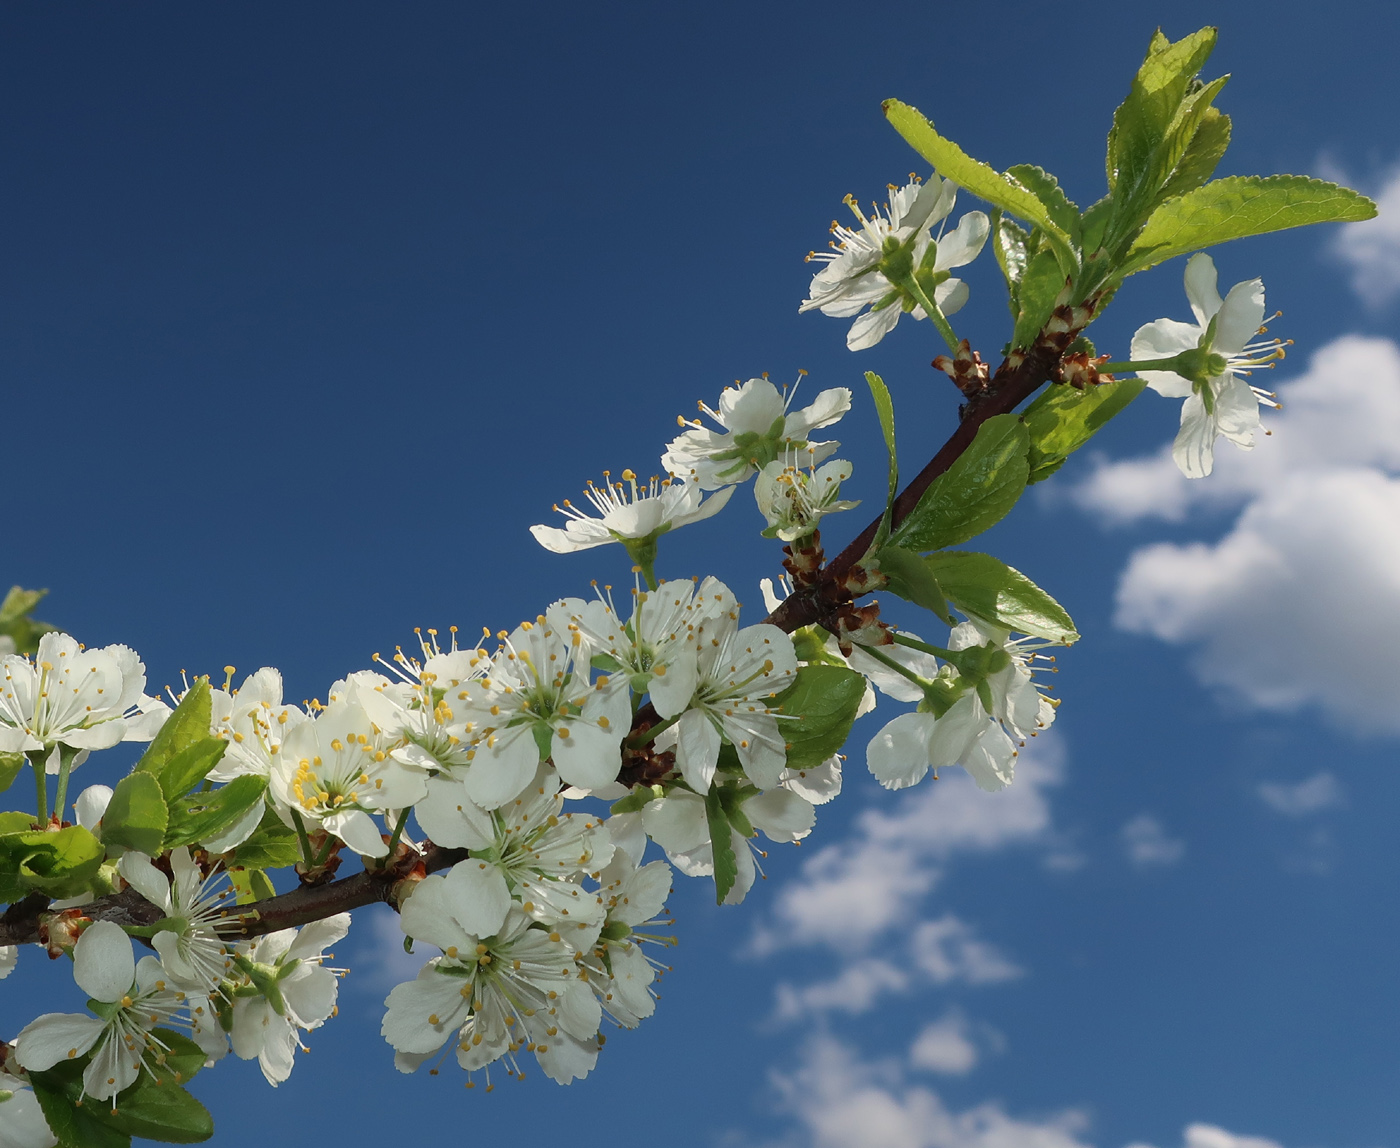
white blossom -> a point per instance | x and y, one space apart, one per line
9 959
70 696
301 993
194 949
1222 402
629 512
254 721
854 278
758 427
794 500
335 771
531 850
22 1123
536 701
740 671
620 971
135 997
490 995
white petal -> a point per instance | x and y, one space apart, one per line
964 243
898 754
450 818
91 805
22 1123
781 814
103 963
697 749
1240 317
1201 291
477 896
870 328
358 830
56 1036
950 295
146 879
677 822
1194 448
1164 339
314 939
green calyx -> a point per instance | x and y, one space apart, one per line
265 980
616 931
1200 365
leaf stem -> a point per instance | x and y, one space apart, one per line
1143 365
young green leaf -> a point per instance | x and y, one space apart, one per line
136 816
635 801
187 724
1046 188
59 863
74 1127
824 700
884 409
975 493
909 577
1063 419
191 765
987 588
977 177
1040 287
1202 155
1009 241
271 846
1141 122
210 813
10 765
721 844
160 1109
251 885
1239 206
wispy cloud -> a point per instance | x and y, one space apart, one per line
1372 249
946 1047
1148 845
1300 798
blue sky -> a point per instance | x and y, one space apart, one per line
308 312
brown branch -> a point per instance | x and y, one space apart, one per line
23 922
1016 380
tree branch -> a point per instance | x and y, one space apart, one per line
1015 380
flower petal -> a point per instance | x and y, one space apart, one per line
103 963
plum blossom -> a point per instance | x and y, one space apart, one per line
135 998
254 721
620 971
336 771
794 500
759 426
1219 400
79 698
294 991
629 512
491 995
194 948
868 266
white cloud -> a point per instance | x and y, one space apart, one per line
1148 844
840 1101
944 951
1372 248
856 989
1211 1136
851 891
945 1046
949 950
1299 603
1321 791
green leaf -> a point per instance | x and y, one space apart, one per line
16 623
909 578
16 822
1040 287
975 493
183 1058
1239 206
10 765
1063 419
59 864
74 1127
977 177
1046 188
1009 245
721 844
1141 122
824 700
635 801
161 1110
884 408
136 816
210 813
191 765
271 846
1202 156
187 725
251 885
987 588
18 602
